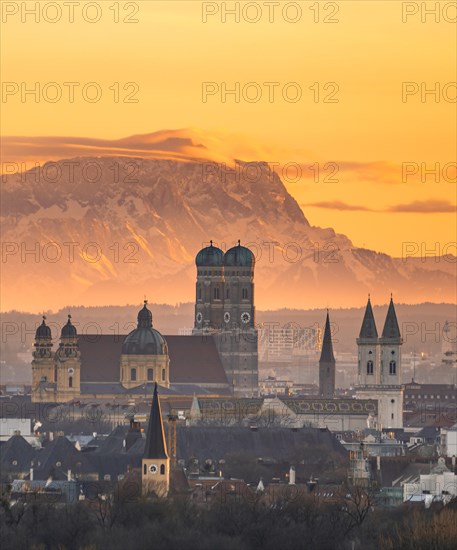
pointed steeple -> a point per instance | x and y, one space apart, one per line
327 347
391 329
368 329
155 439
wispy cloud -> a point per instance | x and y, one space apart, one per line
170 144
425 207
415 207
337 205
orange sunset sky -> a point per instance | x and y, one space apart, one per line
169 52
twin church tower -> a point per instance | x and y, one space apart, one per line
224 310
379 366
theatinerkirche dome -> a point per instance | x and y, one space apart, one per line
144 340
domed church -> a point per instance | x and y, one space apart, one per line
219 358
144 354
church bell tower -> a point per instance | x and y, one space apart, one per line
43 383
155 472
68 364
379 365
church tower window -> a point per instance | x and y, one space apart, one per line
70 382
216 293
393 367
244 294
150 374
370 367
133 375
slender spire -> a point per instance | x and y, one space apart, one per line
327 347
391 328
155 439
368 329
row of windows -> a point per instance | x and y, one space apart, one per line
215 273
427 396
216 293
150 375
392 367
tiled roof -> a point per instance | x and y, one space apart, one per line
16 450
221 442
332 406
59 456
241 407
193 360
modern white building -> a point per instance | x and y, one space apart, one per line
282 344
17 426
449 441
440 484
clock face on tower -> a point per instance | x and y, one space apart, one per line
245 317
227 317
199 317
153 468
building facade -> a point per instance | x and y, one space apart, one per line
379 367
218 358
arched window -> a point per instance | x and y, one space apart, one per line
244 294
370 367
70 382
216 293
199 292
393 367
133 375
163 375
150 374
162 469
